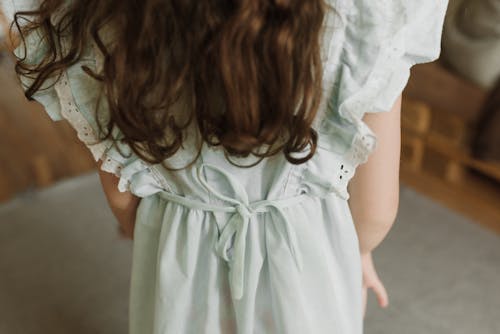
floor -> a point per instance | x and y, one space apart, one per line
64 269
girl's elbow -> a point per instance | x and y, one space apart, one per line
390 212
382 214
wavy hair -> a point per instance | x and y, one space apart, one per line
251 69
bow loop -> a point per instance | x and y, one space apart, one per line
244 211
237 226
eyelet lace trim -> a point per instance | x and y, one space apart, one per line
83 129
354 108
87 135
70 112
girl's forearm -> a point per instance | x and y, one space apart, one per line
371 233
373 212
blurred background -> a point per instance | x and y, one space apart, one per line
63 268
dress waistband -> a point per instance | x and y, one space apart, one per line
243 211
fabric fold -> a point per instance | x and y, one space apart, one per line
380 47
75 96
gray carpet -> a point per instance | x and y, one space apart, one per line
63 268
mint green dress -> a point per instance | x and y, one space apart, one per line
269 249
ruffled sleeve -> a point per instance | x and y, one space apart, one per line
74 97
368 66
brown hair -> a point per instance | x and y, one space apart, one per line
252 68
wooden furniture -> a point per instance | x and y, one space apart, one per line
438 114
35 152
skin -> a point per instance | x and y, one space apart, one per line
374 194
123 204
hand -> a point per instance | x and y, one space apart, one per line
371 280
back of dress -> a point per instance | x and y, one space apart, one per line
271 248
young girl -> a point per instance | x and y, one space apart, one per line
228 136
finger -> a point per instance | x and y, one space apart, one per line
381 293
364 301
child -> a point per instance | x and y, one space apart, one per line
173 97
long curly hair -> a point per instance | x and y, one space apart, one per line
252 69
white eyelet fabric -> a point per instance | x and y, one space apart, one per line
270 248
367 51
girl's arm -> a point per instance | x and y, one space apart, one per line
374 188
122 204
